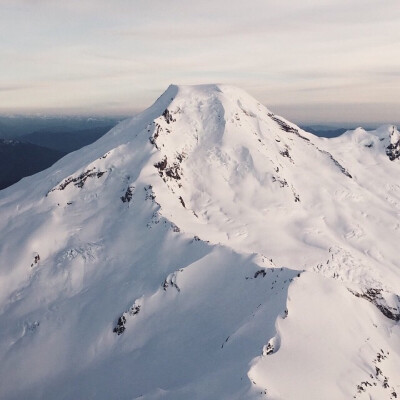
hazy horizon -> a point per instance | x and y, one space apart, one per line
299 115
314 62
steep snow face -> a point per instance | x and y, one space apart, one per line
235 167
205 248
234 173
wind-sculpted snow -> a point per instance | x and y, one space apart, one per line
328 337
205 249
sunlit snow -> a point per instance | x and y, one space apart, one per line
205 249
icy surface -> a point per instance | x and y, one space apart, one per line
205 249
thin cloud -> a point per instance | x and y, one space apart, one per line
12 87
9 88
106 54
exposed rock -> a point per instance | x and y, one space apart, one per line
168 116
375 297
156 134
182 202
260 272
393 150
286 127
36 260
171 281
342 169
80 180
127 197
120 326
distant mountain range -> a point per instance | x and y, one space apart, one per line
31 144
18 160
324 131
65 141
12 127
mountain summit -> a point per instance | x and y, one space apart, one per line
208 249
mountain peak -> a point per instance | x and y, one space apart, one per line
221 92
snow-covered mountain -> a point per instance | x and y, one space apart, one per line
205 249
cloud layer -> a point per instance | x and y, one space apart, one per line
307 58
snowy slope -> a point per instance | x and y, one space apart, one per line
205 249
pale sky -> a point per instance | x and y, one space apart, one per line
312 61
